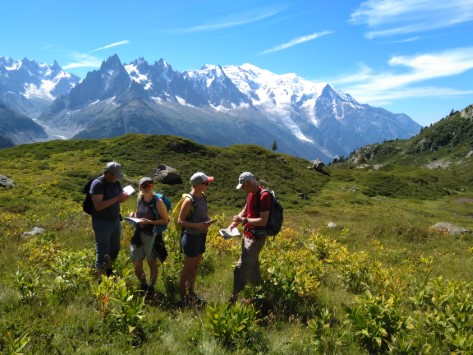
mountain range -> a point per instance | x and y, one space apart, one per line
216 105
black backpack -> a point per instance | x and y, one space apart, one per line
87 204
275 219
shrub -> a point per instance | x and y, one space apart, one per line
376 322
445 308
235 326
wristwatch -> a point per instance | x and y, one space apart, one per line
245 220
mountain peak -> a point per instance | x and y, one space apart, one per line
112 62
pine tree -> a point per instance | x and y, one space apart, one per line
274 147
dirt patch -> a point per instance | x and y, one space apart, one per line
461 200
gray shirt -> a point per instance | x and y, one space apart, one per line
201 214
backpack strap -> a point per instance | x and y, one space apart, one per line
194 203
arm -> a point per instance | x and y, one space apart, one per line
162 212
101 204
239 218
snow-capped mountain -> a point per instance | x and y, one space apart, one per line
221 105
29 87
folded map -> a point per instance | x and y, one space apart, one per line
228 233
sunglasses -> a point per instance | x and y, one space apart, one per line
145 186
205 183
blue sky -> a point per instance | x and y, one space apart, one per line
410 56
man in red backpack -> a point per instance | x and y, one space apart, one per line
254 218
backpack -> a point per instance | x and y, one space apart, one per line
275 219
167 202
177 209
87 204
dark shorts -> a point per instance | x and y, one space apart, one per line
193 244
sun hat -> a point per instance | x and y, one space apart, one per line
114 168
200 178
244 177
145 179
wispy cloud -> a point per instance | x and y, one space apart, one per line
81 60
393 17
296 41
110 46
406 72
234 21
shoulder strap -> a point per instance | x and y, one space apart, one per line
153 205
260 192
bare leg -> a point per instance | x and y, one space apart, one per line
188 275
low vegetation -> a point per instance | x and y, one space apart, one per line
378 280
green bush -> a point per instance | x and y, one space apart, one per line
235 326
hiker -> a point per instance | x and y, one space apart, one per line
253 217
142 244
107 194
195 221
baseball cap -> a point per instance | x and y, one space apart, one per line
244 177
114 168
200 178
145 179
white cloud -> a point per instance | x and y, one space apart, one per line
110 46
233 21
394 17
407 71
296 41
81 60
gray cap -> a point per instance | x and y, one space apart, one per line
145 179
244 177
200 178
114 168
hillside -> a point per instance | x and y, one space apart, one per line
327 289
443 151
66 165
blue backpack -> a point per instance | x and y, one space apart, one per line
167 202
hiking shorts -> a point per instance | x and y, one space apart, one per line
145 250
193 244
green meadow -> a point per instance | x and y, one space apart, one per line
379 279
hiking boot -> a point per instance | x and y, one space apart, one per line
149 292
198 301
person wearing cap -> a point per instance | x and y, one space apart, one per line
195 221
142 243
107 194
253 217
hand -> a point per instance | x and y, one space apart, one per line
132 214
123 197
237 219
145 221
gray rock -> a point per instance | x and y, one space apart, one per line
33 232
167 175
331 225
449 228
317 165
6 182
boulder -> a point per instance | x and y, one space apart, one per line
317 165
167 175
6 182
303 196
449 228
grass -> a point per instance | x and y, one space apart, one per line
383 243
